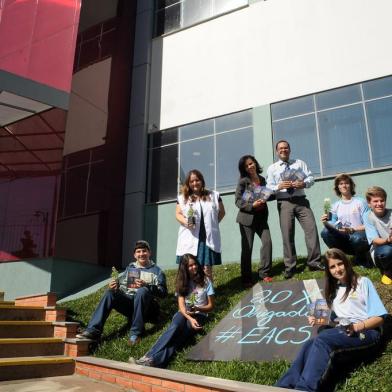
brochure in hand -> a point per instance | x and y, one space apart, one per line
256 193
292 175
133 274
320 310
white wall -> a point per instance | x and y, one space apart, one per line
267 52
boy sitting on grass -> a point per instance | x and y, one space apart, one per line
378 227
133 295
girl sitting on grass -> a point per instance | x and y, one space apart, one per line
195 300
358 310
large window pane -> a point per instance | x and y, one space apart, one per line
168 19
338 97
379 114
199 129
230 147
233 121
300 132
159 139
195 11
163 173
198 154
221 6
293 107
343 140
377 88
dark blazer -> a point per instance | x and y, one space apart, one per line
246 213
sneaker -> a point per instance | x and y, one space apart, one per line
133 340
88 335
386 280
267 279
145 361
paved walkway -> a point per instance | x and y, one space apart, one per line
72 383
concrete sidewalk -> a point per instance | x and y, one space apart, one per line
72 383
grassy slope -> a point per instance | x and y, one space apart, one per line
373 377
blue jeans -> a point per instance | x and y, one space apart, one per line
179 331
353 244
313 360
383 259
137 308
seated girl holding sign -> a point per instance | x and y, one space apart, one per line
359 312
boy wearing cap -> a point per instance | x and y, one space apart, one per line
378 227
133 295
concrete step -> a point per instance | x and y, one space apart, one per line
34 367
31 313
7 302
29 347
26 329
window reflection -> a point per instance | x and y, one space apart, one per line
172 15
26 221
212 146
350 139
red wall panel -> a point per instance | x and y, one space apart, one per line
38 39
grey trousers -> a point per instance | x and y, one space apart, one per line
298 207
259 227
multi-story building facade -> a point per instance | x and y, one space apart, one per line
161 87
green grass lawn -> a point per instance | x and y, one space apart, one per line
373 377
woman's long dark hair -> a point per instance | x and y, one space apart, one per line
242 168
183 279
331 283
186 190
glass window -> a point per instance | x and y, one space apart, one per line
233 121
338 97
212 146
191 131
293 107
221 6
230 147
295 131
195 10
379 115
198 154
377 88
349 139
173 15
343 140
168 19
163 173
159 139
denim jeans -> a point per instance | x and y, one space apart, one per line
179 331
136 308
383 259
353 244
313 360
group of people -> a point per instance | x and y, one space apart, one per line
351 226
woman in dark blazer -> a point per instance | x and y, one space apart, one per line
252 218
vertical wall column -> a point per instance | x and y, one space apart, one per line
135 189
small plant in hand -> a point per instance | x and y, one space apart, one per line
191 216
191 300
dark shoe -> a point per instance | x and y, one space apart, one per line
145 361
289 274
247 285
316 266
88 335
